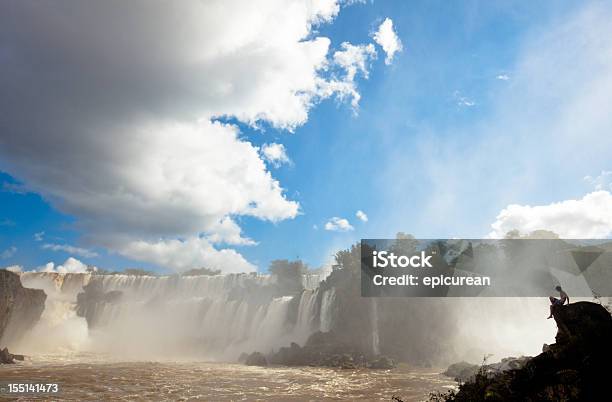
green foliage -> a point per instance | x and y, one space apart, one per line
288 274
138 272
201 271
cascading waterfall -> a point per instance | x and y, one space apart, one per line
327 302
305 323
217 317
59 327
375 333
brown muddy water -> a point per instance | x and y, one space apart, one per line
98 380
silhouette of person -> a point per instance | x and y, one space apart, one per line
563 298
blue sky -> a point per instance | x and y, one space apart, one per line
489 104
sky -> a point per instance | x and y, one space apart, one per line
226 134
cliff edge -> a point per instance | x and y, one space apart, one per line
20 308
574 368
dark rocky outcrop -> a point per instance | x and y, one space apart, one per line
7 357
461 371
381 363
464 371
92 300
575 368
256 359
326 349
20 308
243 357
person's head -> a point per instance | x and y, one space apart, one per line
558 288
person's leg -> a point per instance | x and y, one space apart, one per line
553 300
550 316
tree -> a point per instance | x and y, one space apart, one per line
201 271
288 274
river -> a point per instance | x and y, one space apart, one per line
93 378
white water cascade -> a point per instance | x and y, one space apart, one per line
375 334
327 305
305 323
215 317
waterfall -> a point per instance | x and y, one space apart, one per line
273 322
327 301
375 334
311 281
59 327
306 315
216 317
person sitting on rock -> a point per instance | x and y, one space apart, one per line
563 298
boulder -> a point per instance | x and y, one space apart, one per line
381 363
256 359
461 371
582 322
464 371
7 357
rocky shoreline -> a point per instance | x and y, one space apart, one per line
574 368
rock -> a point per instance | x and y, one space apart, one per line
345 361
92 300
20 308
574 368
6 357
508 363
326 349
383 362
582 322
256 359
461 371
464 371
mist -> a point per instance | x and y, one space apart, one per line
219 317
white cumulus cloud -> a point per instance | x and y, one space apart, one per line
352 60
337 224
193 252
14 268
588 217
275 153
603 181
71 265
386 37
361 216
82 252
133 105
227 231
